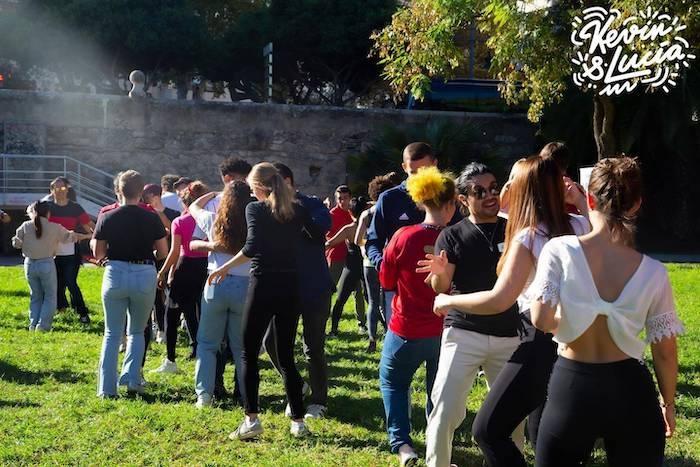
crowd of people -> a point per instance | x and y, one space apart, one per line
538 285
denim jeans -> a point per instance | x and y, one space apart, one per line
222 314
401 358
41 276
373 297
127 289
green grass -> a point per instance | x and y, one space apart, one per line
49 413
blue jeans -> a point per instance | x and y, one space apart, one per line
222 314
401 358
373 297
41 276
126 289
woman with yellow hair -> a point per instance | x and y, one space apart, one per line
414 331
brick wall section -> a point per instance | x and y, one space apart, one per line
155 137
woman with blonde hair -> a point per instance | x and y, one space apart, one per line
413 337
276 224
597 293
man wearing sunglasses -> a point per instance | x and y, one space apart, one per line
465 259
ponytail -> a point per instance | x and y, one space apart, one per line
280 195
38 210
616 186
281 199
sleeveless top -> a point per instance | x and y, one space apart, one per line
564 280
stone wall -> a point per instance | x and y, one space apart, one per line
155 137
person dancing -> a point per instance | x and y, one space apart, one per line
127 237
596 293
185 272
537 213
414 331
275 228
38 238
223 303
351 276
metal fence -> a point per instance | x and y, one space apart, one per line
24 174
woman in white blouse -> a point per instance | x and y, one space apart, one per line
596 293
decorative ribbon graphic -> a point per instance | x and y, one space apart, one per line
643 50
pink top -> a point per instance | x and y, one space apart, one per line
184 227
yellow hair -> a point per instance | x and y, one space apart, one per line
429 186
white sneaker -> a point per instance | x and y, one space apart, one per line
32 327
247 430
204 400
166 367
315 411
407 456
299 429
160 337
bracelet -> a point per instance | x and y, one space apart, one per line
665 405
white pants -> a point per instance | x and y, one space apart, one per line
461 354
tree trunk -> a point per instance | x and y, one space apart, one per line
603 126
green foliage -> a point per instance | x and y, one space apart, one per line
531 51
51 415
453 142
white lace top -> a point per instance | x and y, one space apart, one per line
564 280
534 240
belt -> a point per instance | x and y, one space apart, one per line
143 261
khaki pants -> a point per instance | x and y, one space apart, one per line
461 354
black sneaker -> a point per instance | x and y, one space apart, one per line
85 319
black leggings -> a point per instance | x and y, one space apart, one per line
614 401
186 292
519 390
272 296
351 280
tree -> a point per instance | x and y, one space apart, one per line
530 49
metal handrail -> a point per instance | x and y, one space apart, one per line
84 177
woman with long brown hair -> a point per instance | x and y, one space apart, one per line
537 213
597 293
276 224
222 303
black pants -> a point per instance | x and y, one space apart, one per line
67 268
272 297
314 316
351 280
186 292
148 336
159 304
614 401
519 390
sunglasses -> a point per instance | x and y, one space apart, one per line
60 188
479 192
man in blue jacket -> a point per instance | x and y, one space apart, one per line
396 209
315 288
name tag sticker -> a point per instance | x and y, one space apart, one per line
501 246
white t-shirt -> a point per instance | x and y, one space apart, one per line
534 240
172 201
564 280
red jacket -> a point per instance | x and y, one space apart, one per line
412 314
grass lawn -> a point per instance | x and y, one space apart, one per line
49 413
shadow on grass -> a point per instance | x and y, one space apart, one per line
14 293
17 404
14 374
